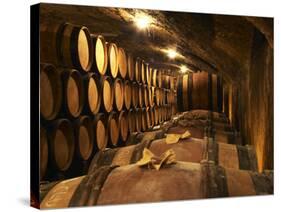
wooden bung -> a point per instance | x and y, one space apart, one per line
50 91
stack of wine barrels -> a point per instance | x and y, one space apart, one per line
205 168
93 95
201 90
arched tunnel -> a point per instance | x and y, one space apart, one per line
216 63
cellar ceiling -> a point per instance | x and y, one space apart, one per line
215 43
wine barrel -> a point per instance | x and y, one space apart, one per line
141 96
157 96
131 67
131 121
100 131
193 130
143 72
148 75
148 118
135 94
145 95
92 91
122 63
151 96
112 67
50 91
66 45
159 78
156 115
152 116
203 180
138 66
186 150
166 81
83 131
172 83
143 119
206 114
123 125
44 152
118 92
73 92
100 60
138 117
112 127
127 94
107 93
154 77
200 91
62 144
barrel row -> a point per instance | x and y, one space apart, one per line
204 180
73 46
70 93
62 140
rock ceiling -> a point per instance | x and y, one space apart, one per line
215 43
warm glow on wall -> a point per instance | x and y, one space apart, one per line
142 20
172 53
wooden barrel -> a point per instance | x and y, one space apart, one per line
138 117
135 94
143 119
131 67
83 131
148 74
107 93
195 132
141 96
73 92
50 92
118 93
131 121
151 96
157 96
154 78
127 94
156 115
66 45
203 180
152 116
123 125
145 92
143 72
44 152
112 67
92 91
166 81
62 143
199 91
206 114
148 118
100 60
122 63
112 127
186 150
159 79
172 83
100 131
138 67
